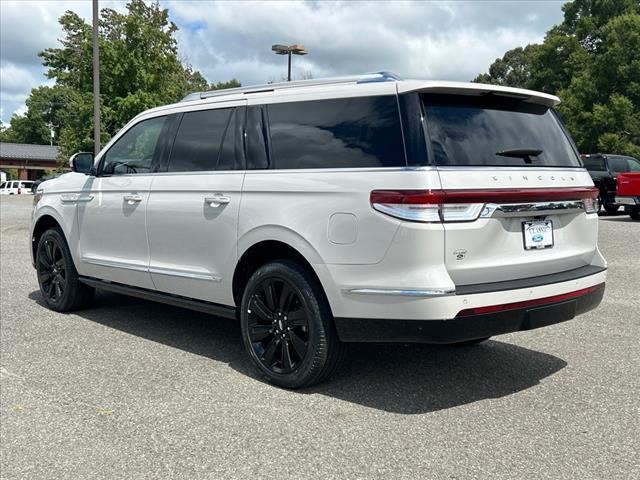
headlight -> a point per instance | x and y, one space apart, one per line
37 196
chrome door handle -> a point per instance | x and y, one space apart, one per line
132 198
217 200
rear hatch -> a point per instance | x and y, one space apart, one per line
517 201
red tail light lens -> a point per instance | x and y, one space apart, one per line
467 205
530 303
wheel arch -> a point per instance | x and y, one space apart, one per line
44 223
262 252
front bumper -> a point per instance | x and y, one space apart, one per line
468 327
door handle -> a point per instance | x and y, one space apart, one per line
132 198
217 200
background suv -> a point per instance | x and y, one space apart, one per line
359 209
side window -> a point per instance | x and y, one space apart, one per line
618 164
198 141
634 165
337 133
133 152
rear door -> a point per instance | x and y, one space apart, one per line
515 189
193 208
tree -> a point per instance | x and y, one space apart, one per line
139 69
512 70
592 61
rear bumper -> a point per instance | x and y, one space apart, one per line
628 201
468 327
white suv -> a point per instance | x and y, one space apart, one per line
362 209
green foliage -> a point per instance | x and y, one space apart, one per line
139 69
233 83
592 61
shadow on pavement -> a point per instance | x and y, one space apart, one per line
407 379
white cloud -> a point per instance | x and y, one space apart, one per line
224 40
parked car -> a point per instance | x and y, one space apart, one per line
604 170
16 187
364 209
628 193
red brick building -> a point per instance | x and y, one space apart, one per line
31 160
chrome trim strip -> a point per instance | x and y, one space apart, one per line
185 274
155 270
73 197
524 170
113 264
538 208
438 292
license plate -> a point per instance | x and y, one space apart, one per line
537 234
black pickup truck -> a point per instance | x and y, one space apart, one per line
604 169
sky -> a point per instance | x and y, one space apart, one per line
224 40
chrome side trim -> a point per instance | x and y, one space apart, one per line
438 292
523 170
185 274
538 208
74 197
113 264
156 270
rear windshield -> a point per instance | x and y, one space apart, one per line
495 131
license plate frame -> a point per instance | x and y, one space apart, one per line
537 234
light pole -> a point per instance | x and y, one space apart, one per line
296 49
96 80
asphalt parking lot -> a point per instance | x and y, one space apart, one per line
132 389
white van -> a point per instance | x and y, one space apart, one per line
16 187
362 209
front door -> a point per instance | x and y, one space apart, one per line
111 216
193 206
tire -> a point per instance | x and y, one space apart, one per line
470 343
610 209
57 275
635 213
287 326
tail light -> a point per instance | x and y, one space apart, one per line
468 205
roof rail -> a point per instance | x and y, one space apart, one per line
269 87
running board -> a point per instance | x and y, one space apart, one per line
169 299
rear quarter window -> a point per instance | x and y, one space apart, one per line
336 133
470 131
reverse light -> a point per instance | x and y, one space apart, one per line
468 205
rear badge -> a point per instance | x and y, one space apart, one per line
460 254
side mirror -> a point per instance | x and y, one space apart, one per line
81 162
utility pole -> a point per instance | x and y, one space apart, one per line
289 50
96 80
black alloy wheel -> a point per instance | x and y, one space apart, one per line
278 325
57 275
52 271
287 326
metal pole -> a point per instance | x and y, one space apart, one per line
289 69
96 80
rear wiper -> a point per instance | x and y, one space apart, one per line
524 153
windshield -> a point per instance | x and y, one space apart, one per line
495 131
